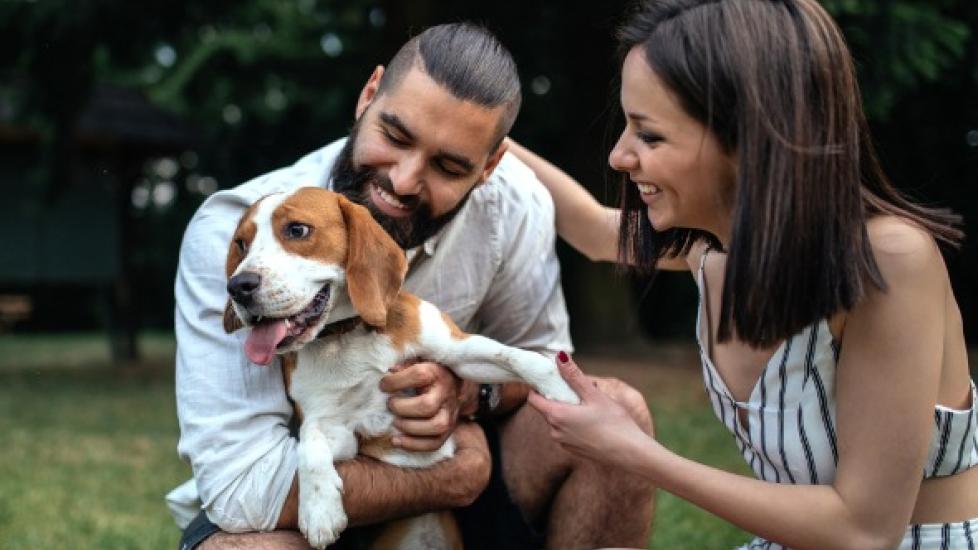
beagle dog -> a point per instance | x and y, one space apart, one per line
312 273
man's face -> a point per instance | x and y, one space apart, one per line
415 154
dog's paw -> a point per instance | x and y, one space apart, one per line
556 388
321 515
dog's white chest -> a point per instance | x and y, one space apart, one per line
338 379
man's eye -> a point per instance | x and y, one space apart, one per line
242 246
394 139
296 230
449 171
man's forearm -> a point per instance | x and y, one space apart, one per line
374 491
513 396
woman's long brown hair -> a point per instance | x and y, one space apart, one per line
774 81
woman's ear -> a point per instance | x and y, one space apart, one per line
375 265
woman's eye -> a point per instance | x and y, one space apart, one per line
649 138
297 230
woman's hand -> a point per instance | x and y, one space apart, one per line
599 428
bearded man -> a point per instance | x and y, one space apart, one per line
427 157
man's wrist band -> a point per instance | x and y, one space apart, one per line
489 397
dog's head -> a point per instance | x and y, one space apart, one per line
293 256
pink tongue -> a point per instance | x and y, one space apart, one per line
261 343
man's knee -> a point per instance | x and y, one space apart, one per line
274 540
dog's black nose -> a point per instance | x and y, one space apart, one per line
242 286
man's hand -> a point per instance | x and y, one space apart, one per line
426 418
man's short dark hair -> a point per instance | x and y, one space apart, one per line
469 62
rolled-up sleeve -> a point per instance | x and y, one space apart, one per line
233 414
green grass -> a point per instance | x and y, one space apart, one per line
695 434
74 350
672 384
88 450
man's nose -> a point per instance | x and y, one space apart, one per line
406 176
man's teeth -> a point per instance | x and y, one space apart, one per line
647 189
389 199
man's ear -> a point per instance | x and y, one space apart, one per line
493 160
375 265
369 91
231 320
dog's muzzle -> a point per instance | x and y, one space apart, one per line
269 334
243 286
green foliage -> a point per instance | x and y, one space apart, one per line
262 82
900 45
234 70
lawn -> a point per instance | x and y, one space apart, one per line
87 450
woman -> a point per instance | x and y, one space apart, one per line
831 342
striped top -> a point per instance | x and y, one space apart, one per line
790 435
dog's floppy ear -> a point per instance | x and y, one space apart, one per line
375 265
231 320
236 253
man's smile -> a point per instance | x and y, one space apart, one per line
388 203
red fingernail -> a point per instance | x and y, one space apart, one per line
563 357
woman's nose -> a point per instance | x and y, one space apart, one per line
622 158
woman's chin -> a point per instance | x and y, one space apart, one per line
659 222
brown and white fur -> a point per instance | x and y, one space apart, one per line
314 258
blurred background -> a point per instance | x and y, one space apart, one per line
118 118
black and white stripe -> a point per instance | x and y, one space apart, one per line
930 536
790 427
944 422
965 434
783 383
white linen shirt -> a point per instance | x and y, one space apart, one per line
493 269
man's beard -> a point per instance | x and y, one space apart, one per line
353 182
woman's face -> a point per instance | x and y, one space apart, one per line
682 173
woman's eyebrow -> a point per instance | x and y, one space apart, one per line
639 117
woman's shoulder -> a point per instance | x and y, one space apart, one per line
900 244
906 253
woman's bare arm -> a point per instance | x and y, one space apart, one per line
887 384
587 225
582 221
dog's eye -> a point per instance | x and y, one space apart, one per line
242 247
296 230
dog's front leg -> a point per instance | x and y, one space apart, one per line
484 360
321 514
